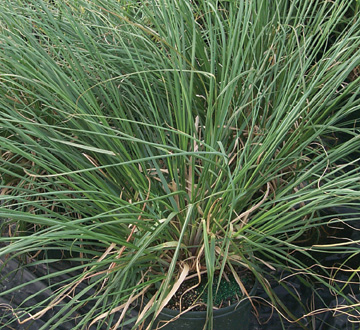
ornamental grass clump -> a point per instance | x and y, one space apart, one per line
157 140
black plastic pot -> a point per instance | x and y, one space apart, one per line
236 316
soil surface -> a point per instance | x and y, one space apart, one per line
225 293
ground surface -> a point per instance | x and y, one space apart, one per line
324 322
